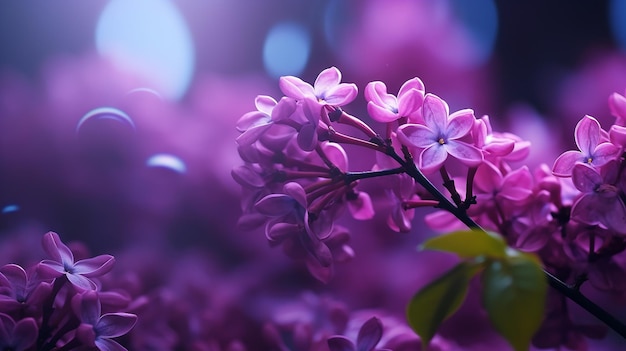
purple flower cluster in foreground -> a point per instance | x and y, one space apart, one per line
58 304
297 184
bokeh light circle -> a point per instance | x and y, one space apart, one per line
167 161
150 38
286 49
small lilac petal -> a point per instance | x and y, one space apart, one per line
340 343
376 93
500 148
380 114
533 240
25 333
9 304
95 266
265 104
466 153
585 210
285 108
307 137
488 178
361 207
604 153
81 282
48 269
87 307
564 164
16 276
460 123
617 105
369 334
341 94
615 217
251 135
432 157
326 80
7 324
617 135
587 135
56 249
443 221
109 345
279 231
519 178
295 87
275 205
585 178
112 325
247 177
296 192
252 119
409 102
337 155
435 112
413 83
400 220
417 135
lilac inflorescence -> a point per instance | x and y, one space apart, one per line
297 182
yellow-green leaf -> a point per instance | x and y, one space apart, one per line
469 244
430 306
514 292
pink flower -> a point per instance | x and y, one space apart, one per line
439 135
591 150
255 123
600 202
384 107
327 88
62 263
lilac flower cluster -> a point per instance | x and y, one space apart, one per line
297 183
59 303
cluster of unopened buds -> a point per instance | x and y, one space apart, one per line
59 303
297 183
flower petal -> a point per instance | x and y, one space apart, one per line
95 266
432 157
587 135
585 178
340 343
466 153
327 79
109 345
413 83
369 334
295 87
435 112
361 208
81 282
380 114
275 205
417 135
25 333
112 325
409 102
284 109
488 178
604 153
87 307
376 92
342 94
58 251
307 137
460 123
265 103
564 164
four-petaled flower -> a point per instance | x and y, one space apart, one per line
591 150
327 88
384 107
439 135
600 202
369 335
62 263
98 330
18 336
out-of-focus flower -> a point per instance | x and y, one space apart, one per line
96 329
17 336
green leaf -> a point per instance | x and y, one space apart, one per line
469 244
514 293
430 306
